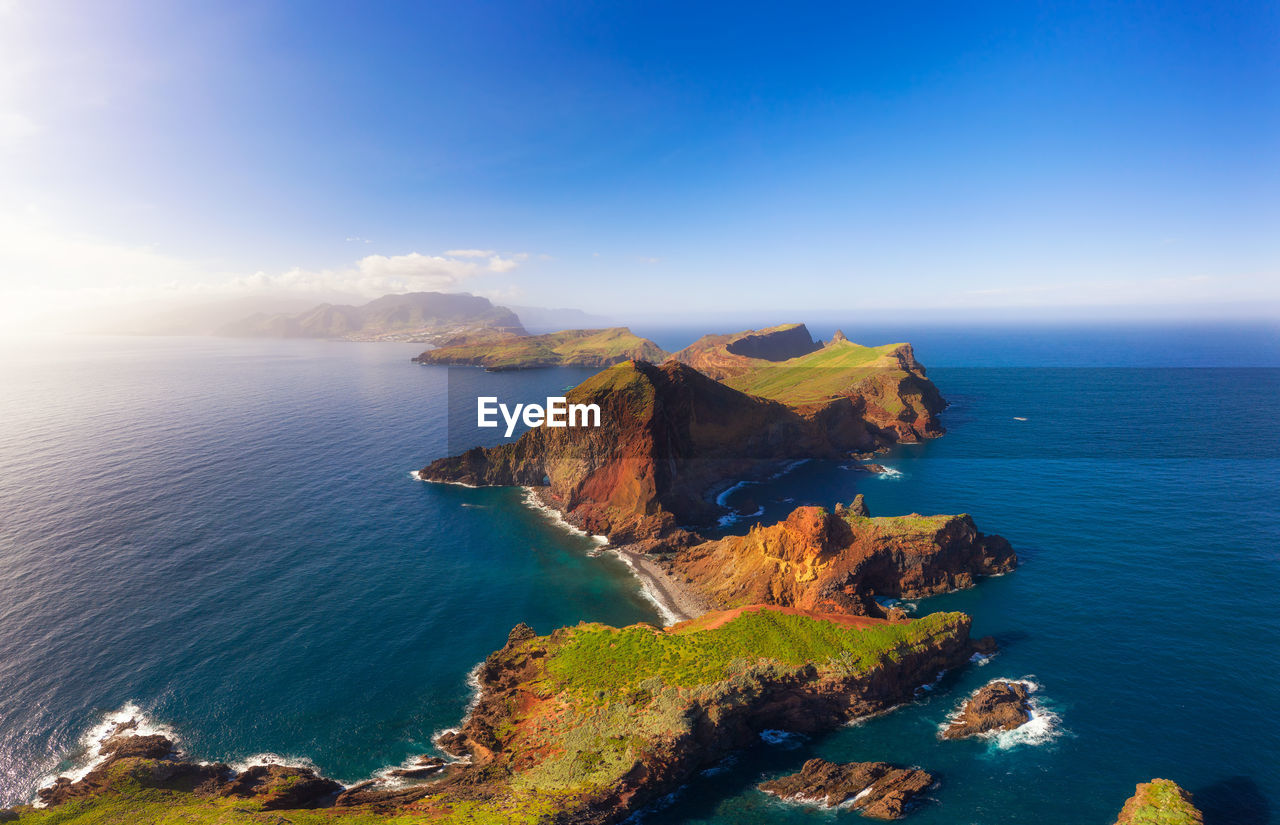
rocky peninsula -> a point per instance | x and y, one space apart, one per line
568 348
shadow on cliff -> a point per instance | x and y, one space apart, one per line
1236 800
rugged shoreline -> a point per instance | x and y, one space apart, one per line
676 601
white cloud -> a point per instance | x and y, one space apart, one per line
470 253
50 274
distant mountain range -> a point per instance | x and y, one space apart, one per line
414 316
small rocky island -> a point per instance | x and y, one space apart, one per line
875 789
1000 705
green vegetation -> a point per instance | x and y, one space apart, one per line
1160 802
899 525
152 806
596 659
810 379
581 347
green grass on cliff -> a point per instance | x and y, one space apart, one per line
913 524
151 806
816 377
597 661
567 347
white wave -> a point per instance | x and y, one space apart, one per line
782 738
721 766
1044 725
450 758
417 475
890 472
128 719
723 499
557 518
477 689
926 688
648 591
981 659
269 758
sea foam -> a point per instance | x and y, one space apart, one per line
1043 727
90 756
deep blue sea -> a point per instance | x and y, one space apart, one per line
225 535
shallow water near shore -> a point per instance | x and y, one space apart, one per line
226 534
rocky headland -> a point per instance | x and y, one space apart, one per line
840 561
886 385
569 348
875 789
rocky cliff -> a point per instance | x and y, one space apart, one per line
668 434
886 385
839 561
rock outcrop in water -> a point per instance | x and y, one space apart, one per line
154 761
837 562
1160 802
1000 705
875 789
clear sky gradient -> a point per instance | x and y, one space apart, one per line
1020 158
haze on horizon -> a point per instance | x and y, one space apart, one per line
1024 161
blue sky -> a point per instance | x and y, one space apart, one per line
1015 158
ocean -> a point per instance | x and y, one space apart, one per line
225 535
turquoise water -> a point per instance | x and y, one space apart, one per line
225 534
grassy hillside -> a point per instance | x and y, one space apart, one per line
809 379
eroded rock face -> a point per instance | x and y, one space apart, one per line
668 434
1000 705
838 562
154 761
507 733
877 789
